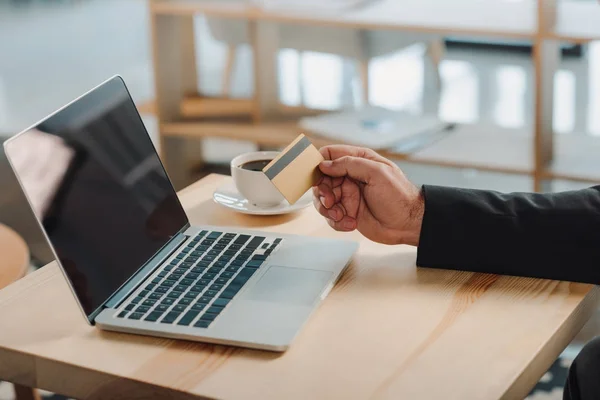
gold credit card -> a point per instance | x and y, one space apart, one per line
295 169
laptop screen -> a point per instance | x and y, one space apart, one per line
94 180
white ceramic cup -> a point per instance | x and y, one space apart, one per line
254 185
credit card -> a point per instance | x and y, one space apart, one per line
295 170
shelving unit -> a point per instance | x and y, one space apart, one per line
538 153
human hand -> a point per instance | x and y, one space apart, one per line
359 189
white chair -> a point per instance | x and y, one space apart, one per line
360 46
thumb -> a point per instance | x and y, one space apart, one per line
360 169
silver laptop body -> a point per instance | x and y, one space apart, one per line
134 263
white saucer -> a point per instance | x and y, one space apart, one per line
228 196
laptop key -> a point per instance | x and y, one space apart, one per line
136 315
175 295
214 235
179 308
202 324
187 282
256 241
143 293
191 295
153 316
247 272
167 302
189 263
137 300
150 286
198 270
162 307
156 296
162 274
122 314
209 316
170 317
209 275
188 318
242 239
198 306
220 264
210 293
142 309
225 276
149 303
214 270
214 310
192 275
168 283
216 287
197 288
205 300
221 302
161 289
180 288
169 268
129 307
185 301
254 264
180 270
233 268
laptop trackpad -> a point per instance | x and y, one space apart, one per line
289 286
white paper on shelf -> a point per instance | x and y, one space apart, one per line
309 5
373 127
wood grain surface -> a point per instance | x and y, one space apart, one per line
389 330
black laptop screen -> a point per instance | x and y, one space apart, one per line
93 178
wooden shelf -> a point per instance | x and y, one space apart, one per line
483 147
577 22
266 134
469 17
576 158
197 107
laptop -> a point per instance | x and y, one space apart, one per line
126 247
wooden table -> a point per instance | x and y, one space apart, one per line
14 263
388 330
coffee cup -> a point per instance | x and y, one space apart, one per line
251 182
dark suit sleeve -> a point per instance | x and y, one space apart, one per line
554 236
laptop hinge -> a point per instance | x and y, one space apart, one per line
145 271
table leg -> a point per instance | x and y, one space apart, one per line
265 45
175 72
26 393
546 58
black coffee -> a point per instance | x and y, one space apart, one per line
256 165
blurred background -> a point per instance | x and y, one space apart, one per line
465 87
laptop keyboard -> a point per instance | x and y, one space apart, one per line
197 285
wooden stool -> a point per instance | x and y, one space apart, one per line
14 262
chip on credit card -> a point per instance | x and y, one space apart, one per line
295 169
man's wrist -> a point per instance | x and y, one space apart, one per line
415 218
